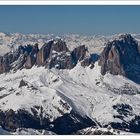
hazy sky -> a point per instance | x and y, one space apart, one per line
85 20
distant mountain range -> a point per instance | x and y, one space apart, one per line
69 84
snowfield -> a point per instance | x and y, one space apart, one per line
38 93
83 89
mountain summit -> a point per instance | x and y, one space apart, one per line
121 57
53 54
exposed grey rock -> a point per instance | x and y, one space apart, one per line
79 53
59 46
53 54
90 60
44 53
66 124
121 57
22 83
31 58
60 56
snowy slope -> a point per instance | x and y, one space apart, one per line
101 131
37 93
84 90
23 131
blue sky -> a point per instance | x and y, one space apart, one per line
85 20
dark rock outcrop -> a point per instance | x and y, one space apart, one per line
121 57
79 53
44 54
53 54
23 83
67 124
8 120
5 63
11 120
132 126
61 61
24 56
90 60
60 56
125 111
86 62
60 46
31 58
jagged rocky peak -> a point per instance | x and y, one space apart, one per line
59 46
79 53
32 56
49 51
90 60
56 54
24 56
60 56
121 57
53 54
44 53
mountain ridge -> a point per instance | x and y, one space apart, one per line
63 90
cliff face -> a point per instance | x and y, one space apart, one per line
44 53
51 54
121 57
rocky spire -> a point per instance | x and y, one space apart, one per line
121 57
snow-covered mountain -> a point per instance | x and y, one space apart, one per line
10 41
64 85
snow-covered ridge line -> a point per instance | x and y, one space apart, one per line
95 43
12 40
